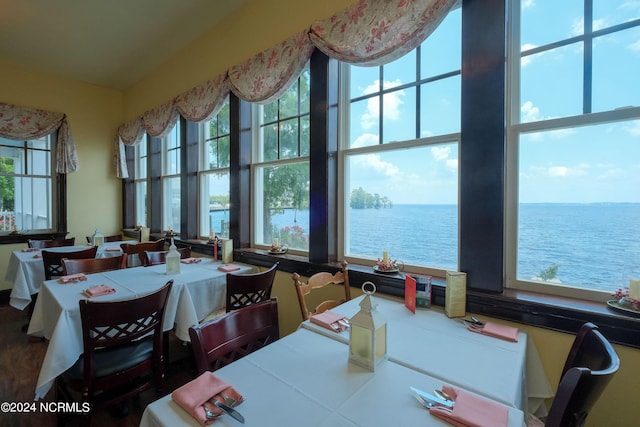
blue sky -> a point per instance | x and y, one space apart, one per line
589 164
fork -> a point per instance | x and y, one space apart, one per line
430 405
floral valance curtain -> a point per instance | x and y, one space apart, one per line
21 123
370 32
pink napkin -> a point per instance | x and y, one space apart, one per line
472 411
330 320
190 260
37 256
98 290
30 250
112 249
199 392
497 330
72 278
228 267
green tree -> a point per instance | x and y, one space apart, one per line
360 199
549 272
7 185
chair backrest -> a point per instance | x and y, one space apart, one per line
54 243
92 265
134 252
160 257
247 289
53 260
114 324
590 365
317 281
233 335
113 238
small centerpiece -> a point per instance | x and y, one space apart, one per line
277 248
170 232
624 299
386 264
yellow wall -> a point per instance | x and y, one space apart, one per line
256 26
94 113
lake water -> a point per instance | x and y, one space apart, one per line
594 245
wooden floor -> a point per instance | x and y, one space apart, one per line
20 360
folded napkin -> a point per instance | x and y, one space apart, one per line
190 260
496 330
112 249
471 410
72 278
330 320
194 395
37 256
30 250
98 290
228 267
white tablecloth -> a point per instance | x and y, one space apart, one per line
198 290
430 342
26 271
304 379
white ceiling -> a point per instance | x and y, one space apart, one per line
110 43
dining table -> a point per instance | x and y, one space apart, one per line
430 342
305 379
198 290
26 269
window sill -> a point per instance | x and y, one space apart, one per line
539 310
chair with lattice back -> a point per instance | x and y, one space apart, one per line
123 351
53 260
233 335
134 252
246 289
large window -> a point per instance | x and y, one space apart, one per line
171 197
214 174
281 169
574 147
399 151
26 185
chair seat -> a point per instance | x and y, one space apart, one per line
111 360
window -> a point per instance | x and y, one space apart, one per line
214 174
171 179
141 194
281 169
399 155
27 202
574 147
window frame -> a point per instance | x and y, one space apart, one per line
516 128
58 205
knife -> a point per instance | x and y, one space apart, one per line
229 410
431 399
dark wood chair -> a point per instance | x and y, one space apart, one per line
590 365
317 281
123 344
233 335
135 251
113 238
53 260
92 265
53 243
247 289
150 258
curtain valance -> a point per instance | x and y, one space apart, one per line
21 123
370 32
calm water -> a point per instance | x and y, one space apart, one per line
594 245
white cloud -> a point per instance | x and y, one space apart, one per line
365 140
635 46
530 113
452 164
392 103
372 162
634 128
527 4
440 153
564 171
